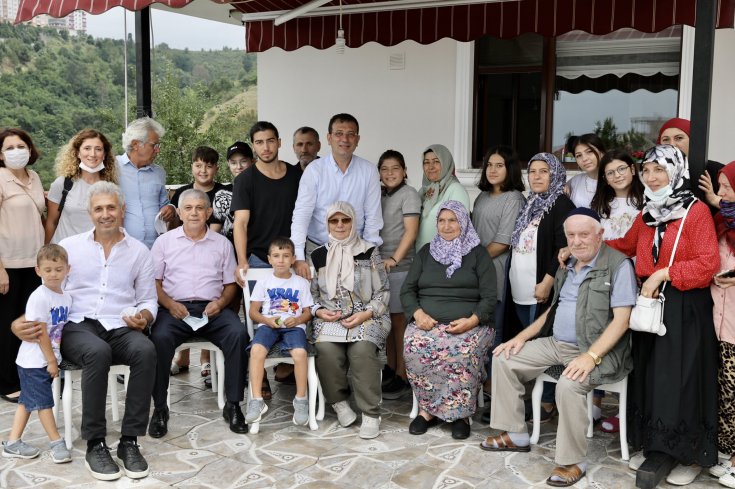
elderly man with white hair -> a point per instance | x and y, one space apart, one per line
585 329
194 268
142 182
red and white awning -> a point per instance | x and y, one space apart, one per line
61 8
506 19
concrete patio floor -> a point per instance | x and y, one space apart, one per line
199 451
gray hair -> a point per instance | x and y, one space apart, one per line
193 193
138 131
598 224
105 188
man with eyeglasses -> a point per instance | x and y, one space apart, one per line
142 182
340 176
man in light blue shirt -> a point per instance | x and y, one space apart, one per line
142 182
339 176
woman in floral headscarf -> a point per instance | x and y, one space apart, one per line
673 386
439 185
449 298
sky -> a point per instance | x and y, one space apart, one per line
170 28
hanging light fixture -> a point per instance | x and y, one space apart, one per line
340 42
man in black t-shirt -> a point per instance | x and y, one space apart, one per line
263 200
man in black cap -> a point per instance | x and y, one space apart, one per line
585 329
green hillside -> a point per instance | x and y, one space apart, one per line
55 84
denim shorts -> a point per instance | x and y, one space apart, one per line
290 338
35 389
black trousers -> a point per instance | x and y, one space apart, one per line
23 281
91 346
224 330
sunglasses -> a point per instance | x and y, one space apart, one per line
338 220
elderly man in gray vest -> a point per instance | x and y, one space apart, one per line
586 330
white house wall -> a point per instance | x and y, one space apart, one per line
722 117
405 110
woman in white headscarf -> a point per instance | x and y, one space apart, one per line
439 185
351 294
673 386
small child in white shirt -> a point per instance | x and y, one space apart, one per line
38 363
286 301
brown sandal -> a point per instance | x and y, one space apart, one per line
502 443
569 475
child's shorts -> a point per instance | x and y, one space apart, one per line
290 338
35 389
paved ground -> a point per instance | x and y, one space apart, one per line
200 452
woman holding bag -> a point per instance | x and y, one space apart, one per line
673 386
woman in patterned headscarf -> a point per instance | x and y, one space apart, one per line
439 185
449 298
673 386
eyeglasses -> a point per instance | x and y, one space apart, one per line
337 220
620 171
342 134
155 145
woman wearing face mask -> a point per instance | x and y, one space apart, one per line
673 386
21 236
85 160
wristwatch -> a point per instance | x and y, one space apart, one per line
595 357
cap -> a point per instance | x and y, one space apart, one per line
239 147
584 211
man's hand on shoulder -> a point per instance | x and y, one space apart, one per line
30 331
168 212
301 267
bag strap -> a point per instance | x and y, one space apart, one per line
678 235
68 184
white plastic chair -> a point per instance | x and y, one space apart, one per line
73 373
552 374
217 362
314 387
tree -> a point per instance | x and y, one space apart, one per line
631 140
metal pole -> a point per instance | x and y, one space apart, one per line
143 62
704 49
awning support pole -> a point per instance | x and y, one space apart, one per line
704 50
143 62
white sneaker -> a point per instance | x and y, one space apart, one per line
722 468
636 461
727 480
345 415
683 475
370 427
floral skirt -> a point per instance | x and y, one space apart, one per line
446 370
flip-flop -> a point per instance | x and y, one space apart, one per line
502 443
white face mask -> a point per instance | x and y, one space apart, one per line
15 159
196 322
89 169
659 194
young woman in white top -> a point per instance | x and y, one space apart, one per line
588 150
619 196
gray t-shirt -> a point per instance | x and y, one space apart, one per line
494 218
624 293
403 202
74 217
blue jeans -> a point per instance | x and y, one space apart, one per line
255 262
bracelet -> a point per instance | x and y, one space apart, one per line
394 260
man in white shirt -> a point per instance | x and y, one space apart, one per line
338 176
113 301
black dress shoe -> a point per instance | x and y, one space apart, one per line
460 429
159 423
233 415
419 425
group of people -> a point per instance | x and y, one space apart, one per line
403 290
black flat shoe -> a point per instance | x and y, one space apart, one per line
14 400
233 415
419 425
158 426
460 429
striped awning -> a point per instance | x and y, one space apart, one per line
28 9
505 19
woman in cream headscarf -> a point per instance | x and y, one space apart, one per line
439 185
351 293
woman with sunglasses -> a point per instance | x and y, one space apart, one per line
351 321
